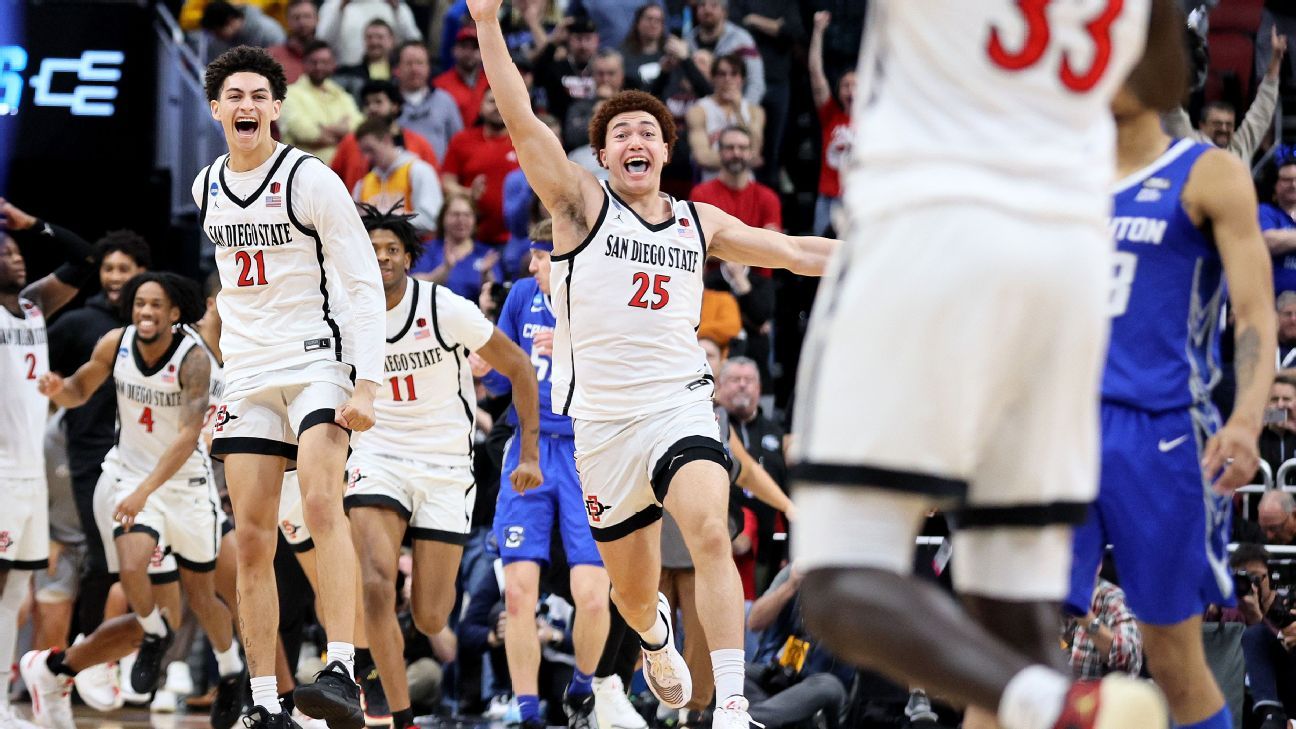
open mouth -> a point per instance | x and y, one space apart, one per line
636 165
245 126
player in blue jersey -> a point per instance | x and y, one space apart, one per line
525 521
1184 220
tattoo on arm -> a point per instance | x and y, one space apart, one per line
1246 357
195 378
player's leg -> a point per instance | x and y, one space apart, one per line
194 533
377 534
1177 660
321 463
521 638
432 594
212 614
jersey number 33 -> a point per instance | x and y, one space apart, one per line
1038 35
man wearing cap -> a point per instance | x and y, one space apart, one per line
572 77
466 82
525 521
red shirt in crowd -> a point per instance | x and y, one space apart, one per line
351 165
755 204
835 123
472 153
747 562
468 98
289 56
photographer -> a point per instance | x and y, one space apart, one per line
1267 644
1278 439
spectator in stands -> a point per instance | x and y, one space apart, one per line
456 260
644 45
1218 118
1267 649
526 28
734 190
791 677
465 82
715 33
570 77
1278 220
383 101
521 211
755 295
776 26
225 25
302 18
721 320
834 124
608 72
684 80
478 160
317 112
427 110
342 24
612 19
397 178
1278 439
722 109
1107 638
379 42
1286 305
1277 517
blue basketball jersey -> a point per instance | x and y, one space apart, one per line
1167 293
526 312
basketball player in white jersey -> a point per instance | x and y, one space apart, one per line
965 319
24 357
302 309
413 470
627 273
162 487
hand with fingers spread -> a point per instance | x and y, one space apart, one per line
1231 459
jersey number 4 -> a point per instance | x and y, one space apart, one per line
146 419
1039 33
660 296
248 264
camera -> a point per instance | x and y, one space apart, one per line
1280 614
1241 584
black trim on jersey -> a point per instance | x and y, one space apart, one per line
265 181
436 321
468 408
195 566
206 195
148 371
164 578
319 254
227 526
120 531
253 445
192 331
659 227
636 522
24 564
438 535
375 501
887 479
571 383
318 417
1022 515
682 452
414 300
301 547
598 222
697 220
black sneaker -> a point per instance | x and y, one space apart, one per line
1274 718
334 697
230 700
259 718
377 712
148 662
580 711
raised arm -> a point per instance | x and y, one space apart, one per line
703 152
74 391
730 239
55 290
557 181
819 87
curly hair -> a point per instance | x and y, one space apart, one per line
624 102
180 291
129 242
249 59
397 223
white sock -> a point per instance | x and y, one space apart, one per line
343 653
228 661
265 693
728 665
1033 699
152 623
15 590
657 635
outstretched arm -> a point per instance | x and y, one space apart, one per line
74 391
55 290
731 239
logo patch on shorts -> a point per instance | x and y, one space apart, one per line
223 417
513 536
156 560
594 508
288 528
310 345
353 478
5 541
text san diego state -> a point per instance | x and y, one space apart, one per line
406 361
250 234
651 254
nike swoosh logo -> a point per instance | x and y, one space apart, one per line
1165 446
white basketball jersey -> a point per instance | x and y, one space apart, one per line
24 357
998 101
149 407
426 406
628 301
283 302
217 376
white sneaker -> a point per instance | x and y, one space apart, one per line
98 686
306 722
665 670
50 694
11 719
732 714
498 708
612 707
128 693
165 701
178 681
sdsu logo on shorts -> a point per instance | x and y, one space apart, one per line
223 417
5 542
289 529
594 508
156 560
354 478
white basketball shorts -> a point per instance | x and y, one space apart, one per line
437 501
268 411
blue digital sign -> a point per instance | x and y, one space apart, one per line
85 85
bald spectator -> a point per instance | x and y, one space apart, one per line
478 160
466 81
430 111
379 42
397 179
735 190
1286 305
1276 517
1278 439
224 26
301 18
342 24
381 101
715 33
317 112
570 77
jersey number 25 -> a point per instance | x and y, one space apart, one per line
1038 35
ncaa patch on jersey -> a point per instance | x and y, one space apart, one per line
215 189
